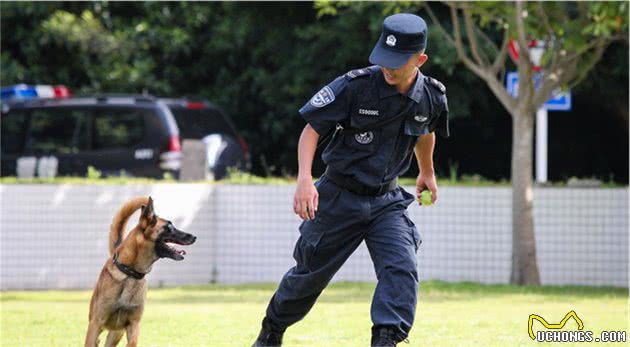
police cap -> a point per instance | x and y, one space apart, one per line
403 35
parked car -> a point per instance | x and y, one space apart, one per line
201 120
135 135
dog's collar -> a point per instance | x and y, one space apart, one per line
127 270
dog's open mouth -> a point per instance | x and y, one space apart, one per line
167 247
172 248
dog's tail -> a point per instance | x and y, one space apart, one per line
120 220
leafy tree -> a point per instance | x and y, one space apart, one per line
258 61
575 35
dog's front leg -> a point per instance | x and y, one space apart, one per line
91 338
133 331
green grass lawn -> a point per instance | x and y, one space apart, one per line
215 315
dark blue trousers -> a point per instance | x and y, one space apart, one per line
343 221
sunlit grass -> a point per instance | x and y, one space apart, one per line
462 314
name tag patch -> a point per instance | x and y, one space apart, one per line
368 112
323 97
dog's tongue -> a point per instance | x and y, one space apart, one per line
174 248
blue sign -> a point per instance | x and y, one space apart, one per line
559 101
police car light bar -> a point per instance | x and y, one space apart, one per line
25 91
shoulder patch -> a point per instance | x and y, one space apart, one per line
352 74
436 84
324 97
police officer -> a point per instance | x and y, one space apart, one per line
378 116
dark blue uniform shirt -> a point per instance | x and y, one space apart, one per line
370 148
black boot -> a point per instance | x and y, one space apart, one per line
268 337
384 337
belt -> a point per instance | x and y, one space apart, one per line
357 187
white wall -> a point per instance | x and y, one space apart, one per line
55 236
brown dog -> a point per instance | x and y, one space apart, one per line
118 299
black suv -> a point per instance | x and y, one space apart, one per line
201 120
116 134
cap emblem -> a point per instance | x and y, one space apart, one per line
391 40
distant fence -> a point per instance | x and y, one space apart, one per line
55 236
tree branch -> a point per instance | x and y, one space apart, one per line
569 72
472 38
496 86
499 61
542 94
525 68
583 72
543 15
435 21
551 35
459 45
595 43
488 40
493 83
522 37
582 8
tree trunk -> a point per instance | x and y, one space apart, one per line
524 265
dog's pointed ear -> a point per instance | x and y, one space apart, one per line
147 216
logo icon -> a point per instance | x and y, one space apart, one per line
364 138
391 40
570 314
555 334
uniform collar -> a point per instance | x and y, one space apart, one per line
415 92
385 90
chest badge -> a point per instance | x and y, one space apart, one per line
364 138
420 119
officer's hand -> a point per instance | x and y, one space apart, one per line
426 182
306 199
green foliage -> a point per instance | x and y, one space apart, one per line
259 62
93 173
567 27
607 18
453 172
84 32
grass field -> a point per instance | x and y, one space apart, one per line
215 315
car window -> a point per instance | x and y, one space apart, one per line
118 128
196 124
13 126
57 130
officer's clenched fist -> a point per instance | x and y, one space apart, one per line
306 199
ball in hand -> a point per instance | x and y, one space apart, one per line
426 198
